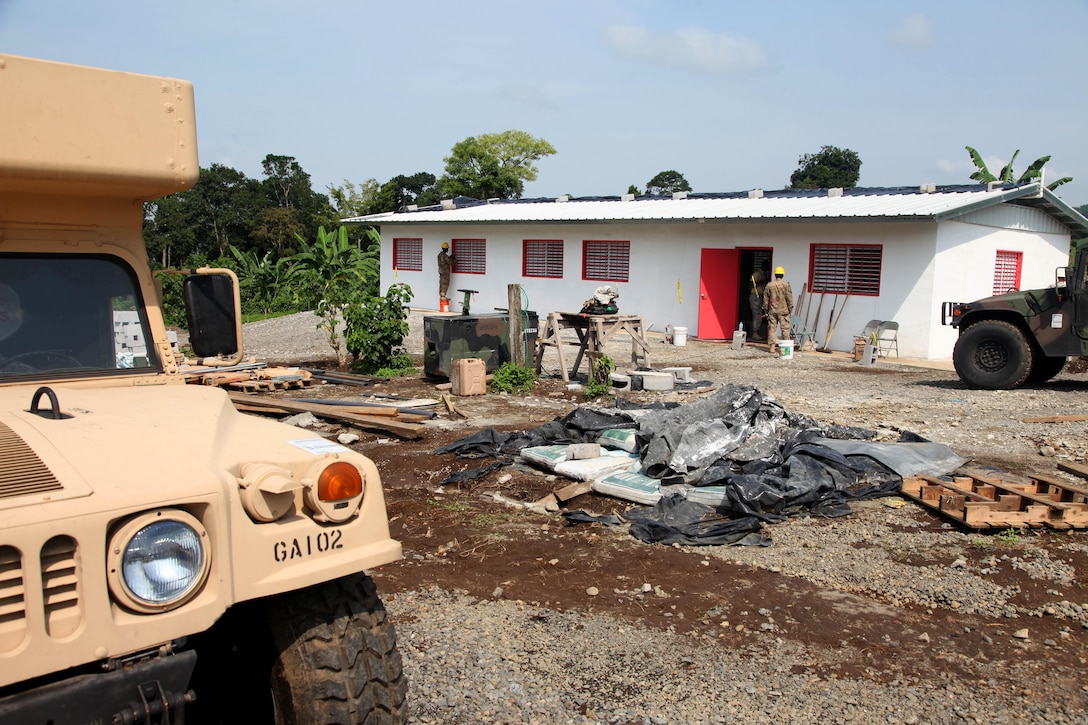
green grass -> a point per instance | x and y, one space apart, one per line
258 316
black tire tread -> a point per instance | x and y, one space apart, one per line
1045 367
338 659
963 355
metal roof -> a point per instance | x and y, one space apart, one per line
927 203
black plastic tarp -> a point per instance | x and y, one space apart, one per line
768 463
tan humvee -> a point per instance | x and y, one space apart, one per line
157 547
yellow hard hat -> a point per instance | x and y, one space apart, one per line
779 270
445 245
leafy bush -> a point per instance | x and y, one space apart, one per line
600 382
374 331
340 275
513 378
402 365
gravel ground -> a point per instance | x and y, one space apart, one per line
1012 659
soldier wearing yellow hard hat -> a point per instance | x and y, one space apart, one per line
445 262
778 306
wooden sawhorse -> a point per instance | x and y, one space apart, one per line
593 331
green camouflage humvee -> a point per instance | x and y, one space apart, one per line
1022 337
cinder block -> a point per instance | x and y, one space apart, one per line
620 381
651 380
681 375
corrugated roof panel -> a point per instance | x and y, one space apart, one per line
854 204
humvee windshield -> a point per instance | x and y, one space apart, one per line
71 316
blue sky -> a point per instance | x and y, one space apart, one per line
730 94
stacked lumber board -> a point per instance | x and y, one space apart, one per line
254 380
390 420
987 499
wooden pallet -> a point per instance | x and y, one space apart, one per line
261 380
270 384
993 500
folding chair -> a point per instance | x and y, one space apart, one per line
887 338
870 327
800 333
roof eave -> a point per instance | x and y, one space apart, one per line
1068 215
990 200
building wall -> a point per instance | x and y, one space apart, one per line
964 262
923 263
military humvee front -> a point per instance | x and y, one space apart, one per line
156 546
1022 337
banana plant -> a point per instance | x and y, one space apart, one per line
983 175
337 273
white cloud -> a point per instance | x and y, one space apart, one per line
957 167
691 48
914 31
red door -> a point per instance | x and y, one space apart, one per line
718 273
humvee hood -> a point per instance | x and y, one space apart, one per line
129 445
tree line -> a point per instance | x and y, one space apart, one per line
272 230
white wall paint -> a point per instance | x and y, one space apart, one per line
966 254
924 263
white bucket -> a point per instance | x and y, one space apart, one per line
679 336
785 349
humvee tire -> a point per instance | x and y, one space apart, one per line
338 660
993 355
1045 367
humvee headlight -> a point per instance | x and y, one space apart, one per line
334 491
158 560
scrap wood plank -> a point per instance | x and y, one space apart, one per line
575 489
402 429
1065 491
1076 469
451 407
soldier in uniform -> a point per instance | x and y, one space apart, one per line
778 306
755 304
445 262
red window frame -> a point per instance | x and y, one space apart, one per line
1007 267
606 260
408 254
469 256
542 258
842 268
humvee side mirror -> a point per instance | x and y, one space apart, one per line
213 311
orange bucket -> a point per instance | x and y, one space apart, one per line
443 305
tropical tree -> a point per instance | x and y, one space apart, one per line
285 183
350 200
333 272
400 191
828 168
667 182
493 165
263 280
983 175
277 230
632 189
169 230
226 206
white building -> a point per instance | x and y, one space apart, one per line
686 261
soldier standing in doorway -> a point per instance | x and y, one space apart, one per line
755 303
445 262
778 306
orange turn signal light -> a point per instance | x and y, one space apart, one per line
339 481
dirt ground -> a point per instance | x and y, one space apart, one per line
463 538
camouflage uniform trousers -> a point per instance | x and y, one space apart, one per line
774 319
